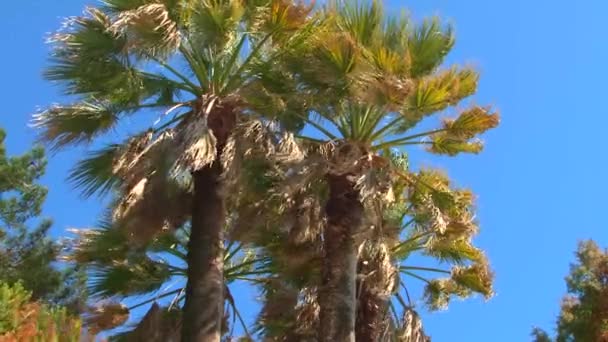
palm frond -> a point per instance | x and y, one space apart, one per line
133 277
428 45
434 93
151 207
149 30
476 277
457 135
361 19
102 246
442 144
116 6
212 24
197 146
94 174
63 125
458 251
105 316
472 122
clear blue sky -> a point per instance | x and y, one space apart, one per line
539 181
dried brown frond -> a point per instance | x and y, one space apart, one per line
477 277
153 206
387 91
305 220
289 151
197 144
308 314
411 329
283 15
129 157
278 309
249 140
156 200
149 29
157 326
106 316
344 157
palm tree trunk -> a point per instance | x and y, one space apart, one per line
204 306
372 309
338 292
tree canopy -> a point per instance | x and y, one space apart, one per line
230 179
584 309
27 254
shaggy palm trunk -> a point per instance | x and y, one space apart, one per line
204 306
372 309
338 292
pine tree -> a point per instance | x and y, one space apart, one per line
27 254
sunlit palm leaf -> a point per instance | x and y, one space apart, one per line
149 29
428 46
360 20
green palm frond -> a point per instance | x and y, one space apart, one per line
89 59
94 175
476 277
435 93
212 23
458 135
472 122
463 282
73 124
439 292
134 277
459 251
441 144
395 34
116 6
428 45
103 246
361 19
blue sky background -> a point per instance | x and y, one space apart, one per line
539 182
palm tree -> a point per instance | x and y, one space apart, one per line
151 273
204 67
374 78
425 235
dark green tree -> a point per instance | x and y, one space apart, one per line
27 254
584 309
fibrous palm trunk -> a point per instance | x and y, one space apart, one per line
338 293
204 306
372 308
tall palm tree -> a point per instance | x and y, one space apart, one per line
425 236
203 67
374 78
